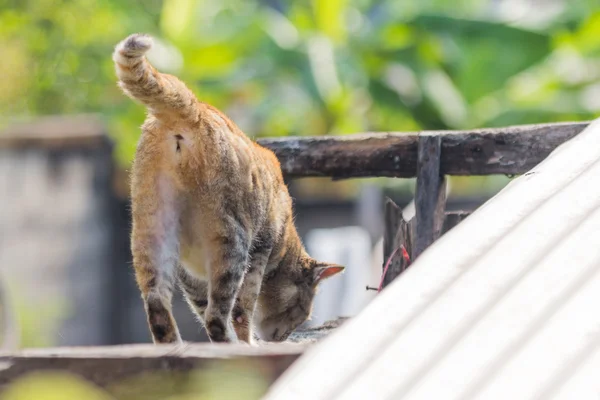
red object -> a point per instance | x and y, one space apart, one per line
389 260
405 254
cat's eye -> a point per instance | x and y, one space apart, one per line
300 282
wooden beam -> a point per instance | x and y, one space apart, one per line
380 154
510 150
110 365
430 198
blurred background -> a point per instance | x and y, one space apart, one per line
277 68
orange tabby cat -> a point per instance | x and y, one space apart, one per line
211 211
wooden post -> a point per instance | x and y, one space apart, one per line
399 232
430 199
396 234
453 218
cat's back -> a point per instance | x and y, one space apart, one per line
236 153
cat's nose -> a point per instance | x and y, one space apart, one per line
279 335
274 334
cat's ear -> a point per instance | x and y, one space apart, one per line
325 270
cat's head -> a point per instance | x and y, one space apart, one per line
286 298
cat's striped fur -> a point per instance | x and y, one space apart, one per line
210 212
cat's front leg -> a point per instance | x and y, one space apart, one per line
229 255
246 302
242 325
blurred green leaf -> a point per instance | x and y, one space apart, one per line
586 38
52 386
397 36
481 55
177 17
329 16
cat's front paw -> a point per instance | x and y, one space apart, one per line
242 329
220 332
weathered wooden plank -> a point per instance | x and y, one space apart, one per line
392 220
454 218
108 365
405 233
186 349
510 150
430 198
362 155
392 217
396 235
481 261
406 239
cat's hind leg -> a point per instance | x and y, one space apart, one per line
157 293
228 260
195 292
155 249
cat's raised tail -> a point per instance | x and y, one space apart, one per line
162 94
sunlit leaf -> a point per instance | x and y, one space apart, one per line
211 61
52 386
587 37
177 17
397 36
329 16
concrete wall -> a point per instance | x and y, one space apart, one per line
56 229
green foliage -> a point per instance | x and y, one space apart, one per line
228 380
52 386
307 68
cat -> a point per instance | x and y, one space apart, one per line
210 212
